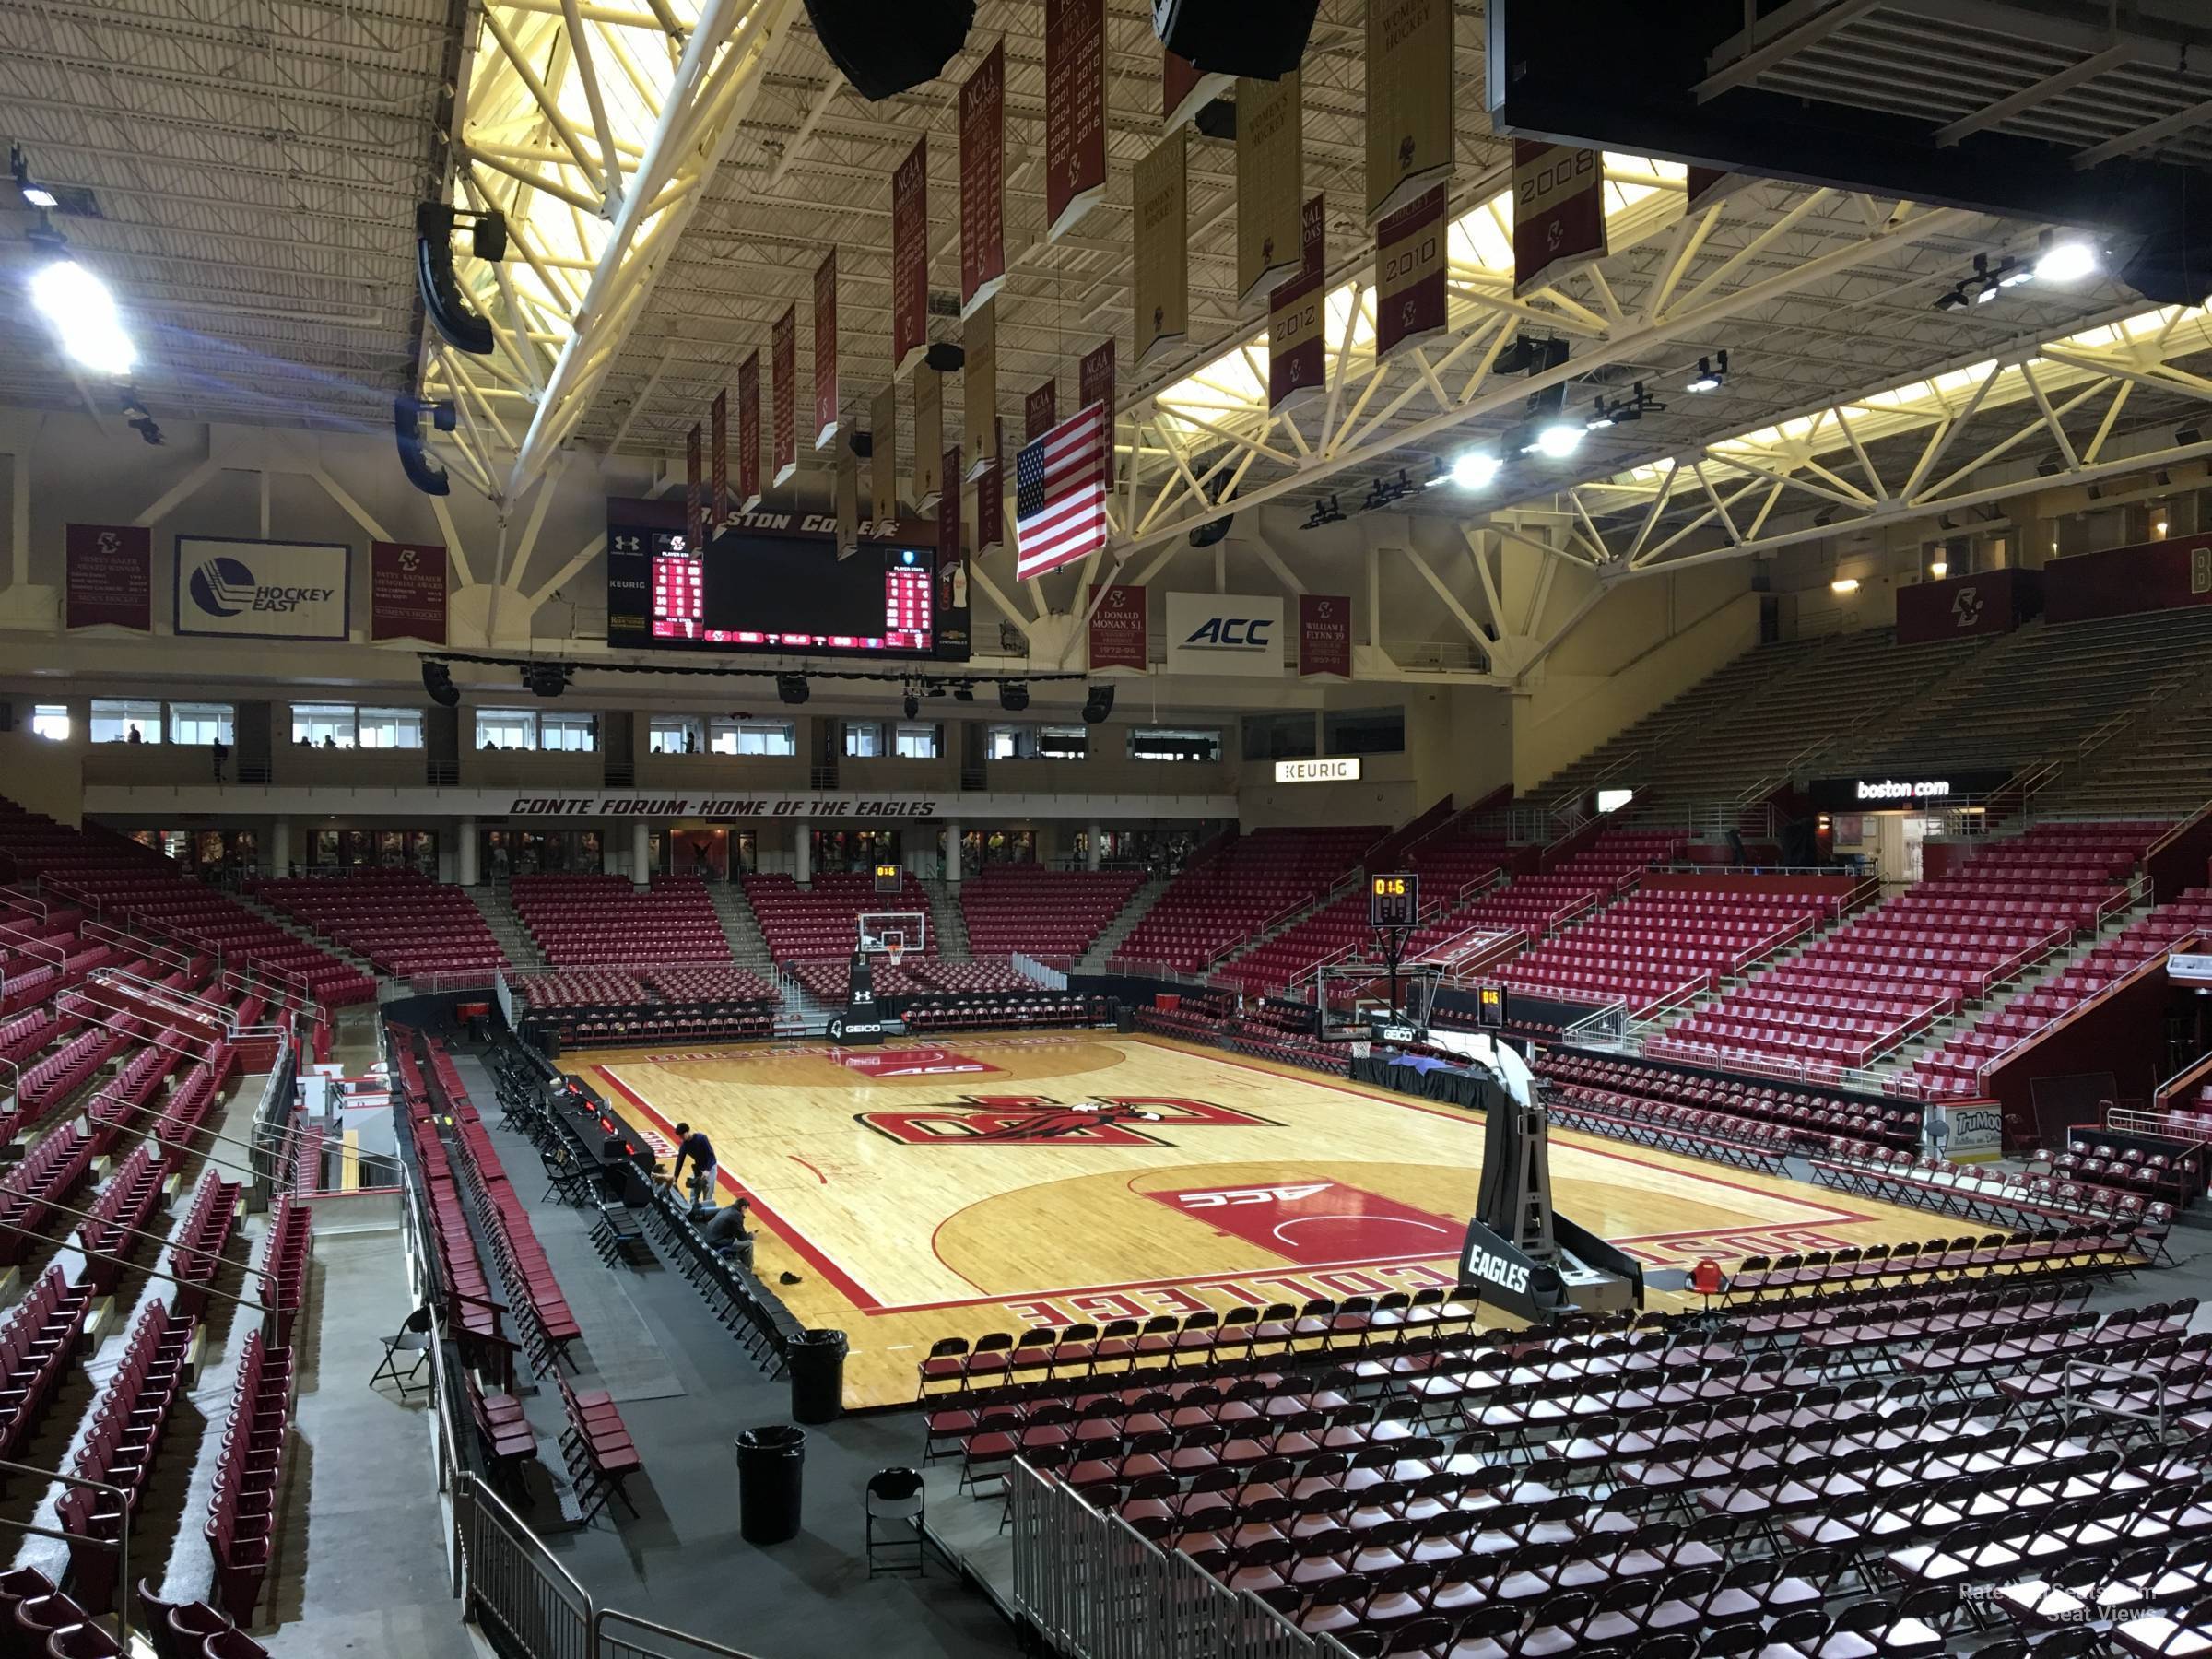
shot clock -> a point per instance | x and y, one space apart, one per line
1395 900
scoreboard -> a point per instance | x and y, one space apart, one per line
1394 900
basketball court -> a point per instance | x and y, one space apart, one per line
925 1189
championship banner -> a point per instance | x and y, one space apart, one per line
1710 186
1271 182
982 181
825 350
1159 195
953 625
264 589
1041 410
1559 212
910 258
1408 102
979 390
1184 89
695 491
1117 628
1409 275
848 501
406 592
1075 111
990 518
1324 635
783 374
109 577
718 463
948 507
929 440
748 433
883 455
1296 365
1094 379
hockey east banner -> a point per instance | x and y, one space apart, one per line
406 592
1118 639
264 589
1324 635
110 577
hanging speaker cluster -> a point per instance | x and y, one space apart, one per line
886 46
1262 39
442 301
422 472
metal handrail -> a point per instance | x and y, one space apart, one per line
120 1543
616 1647
2156 960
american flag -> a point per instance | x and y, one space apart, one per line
1060 494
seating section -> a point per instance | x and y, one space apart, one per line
1894 969
822 922
36 1347
1038 912
974 1013
2159 768
198 1253
280 1274
1660 945
702 1002
1248 885
604 921
241 1517
1959 1066
47 1178
115 1219
401 920
914 976
125 1437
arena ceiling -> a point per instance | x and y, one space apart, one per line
256 165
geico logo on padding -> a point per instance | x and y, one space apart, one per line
1498 1271
1232 633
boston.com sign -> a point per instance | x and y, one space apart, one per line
1901 795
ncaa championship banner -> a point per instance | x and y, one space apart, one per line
1225 633
264 589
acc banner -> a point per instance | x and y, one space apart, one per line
1225 633
979 390
1184 89
825 349
718 464
1117 628
910 258
1271 179
883 454
1559 212
929 439
1410 287
983 179
1408 101
783 376
748 433
1324 635
110 580
1295 364
1075 111
406 592
264 589
1160 196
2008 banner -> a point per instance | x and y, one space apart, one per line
264 589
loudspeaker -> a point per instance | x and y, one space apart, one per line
422 472
886 46
1263 38
442 301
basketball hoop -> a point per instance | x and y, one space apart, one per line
893 948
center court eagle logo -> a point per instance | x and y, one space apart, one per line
1031 1121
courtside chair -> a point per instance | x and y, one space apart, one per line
895 1506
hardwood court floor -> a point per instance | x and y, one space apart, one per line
927 1189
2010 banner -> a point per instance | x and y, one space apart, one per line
1410 286
406 592
109 577
264 589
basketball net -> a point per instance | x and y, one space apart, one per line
894 948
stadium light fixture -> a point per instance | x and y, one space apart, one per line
1845 584
2068 261
1711 375
34 193
1939 568
1476 469
77 306
1555 442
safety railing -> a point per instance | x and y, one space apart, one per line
1608 1023
2136 892
1788 933
2086 1378
1656 1013
2152 964
1475 950
1094 1589
512 1585
1043 971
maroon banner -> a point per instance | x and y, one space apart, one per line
718 464
825 349
2120 581
1096 378
1075 111
406 592
983 179
783 374
110 577
1041 411
948 509
1295 362
695 490
990 495
910 257
1184 89
1995 602
1559 211
1117 628
1410 286
748 433
1709 185
1324 635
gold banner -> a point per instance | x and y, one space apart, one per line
979 390
1271 184
883 458
929 437
1408 101
848 501
1163 250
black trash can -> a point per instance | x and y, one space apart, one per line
818 1376
772 1462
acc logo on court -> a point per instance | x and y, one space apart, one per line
1030 1121
1282 1195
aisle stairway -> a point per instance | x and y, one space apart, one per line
507 928
948 925
748 949
1107 943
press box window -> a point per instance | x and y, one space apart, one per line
863 739
324 726
754 737
568 734
391 728
114 721
1364 731
51 721
673 734
915 742
506 729
1287 736
1173 743
201 724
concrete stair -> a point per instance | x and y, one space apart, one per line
507 928
1094 959
948 925
748 949
299 929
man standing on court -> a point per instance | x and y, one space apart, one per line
691 1144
